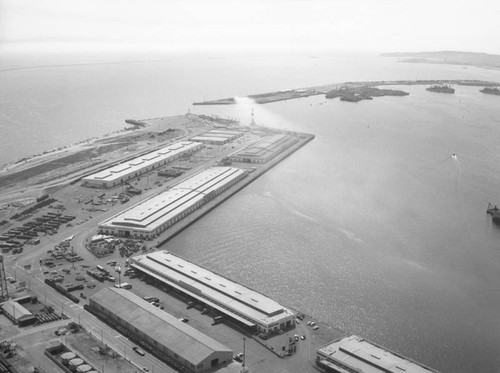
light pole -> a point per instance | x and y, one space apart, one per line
244 355
118 269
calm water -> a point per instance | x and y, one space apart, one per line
373 227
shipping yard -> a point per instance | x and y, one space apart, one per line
86 288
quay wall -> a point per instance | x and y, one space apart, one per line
187 221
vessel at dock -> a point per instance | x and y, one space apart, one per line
491 91
441 89
494 211
136 122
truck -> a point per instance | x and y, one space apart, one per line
217 320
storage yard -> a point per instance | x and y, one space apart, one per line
76 244
87 251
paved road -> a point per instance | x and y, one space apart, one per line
100 330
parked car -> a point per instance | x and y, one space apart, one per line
138 350
239 357
184 319
316 327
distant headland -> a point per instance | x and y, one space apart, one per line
482 60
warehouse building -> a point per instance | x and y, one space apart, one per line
217 137
265 149
123 172
160 332
211 140
355 354
16 313
152 216
238 303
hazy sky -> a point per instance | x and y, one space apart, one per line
270 25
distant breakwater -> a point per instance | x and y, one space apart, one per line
264 98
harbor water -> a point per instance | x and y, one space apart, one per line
373 227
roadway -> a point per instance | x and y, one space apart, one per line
100 330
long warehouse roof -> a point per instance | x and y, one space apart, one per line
139 163
361 355
266 145
159 209
209 138
15 309
245 301
184 340
225 132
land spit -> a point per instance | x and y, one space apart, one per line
265 98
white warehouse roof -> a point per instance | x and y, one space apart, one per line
158 210
355 353
137 164
244 301
186 341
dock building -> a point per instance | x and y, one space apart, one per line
117 175
169 338
16 313
241 305
217 137
355 354
150 217
265 149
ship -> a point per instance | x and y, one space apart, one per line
494 211
441 89
135 122
490 91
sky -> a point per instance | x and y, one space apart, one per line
313 26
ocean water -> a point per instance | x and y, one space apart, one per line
372 227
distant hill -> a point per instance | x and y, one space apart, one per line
490 61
